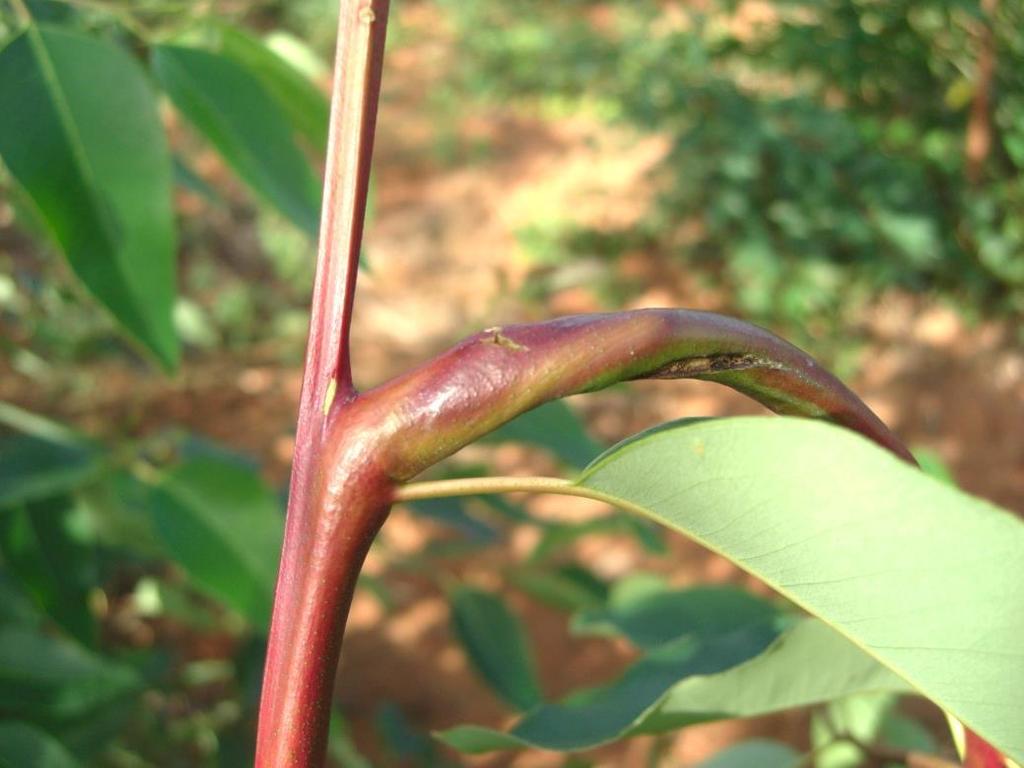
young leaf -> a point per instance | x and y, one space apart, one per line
231 107
496 645
224 527
25 746
924 578
82 136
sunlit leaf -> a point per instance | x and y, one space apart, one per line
923 577
82 136
304 103
230 106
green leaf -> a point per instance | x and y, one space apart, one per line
555 427
224 527
568 587
32 468
49 679
808 664
231 107
496 645
83 138
452 513
755 754
652 616
686 681
305 105
25 746
921 576
49 546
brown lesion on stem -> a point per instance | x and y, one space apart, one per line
496 337
701 366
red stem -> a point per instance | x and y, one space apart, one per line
320 564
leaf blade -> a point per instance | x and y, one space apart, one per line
879 512
230 106
224 527
95 162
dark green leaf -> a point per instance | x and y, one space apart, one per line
569 587
653 616
231 107
83 138
45 678
304 104
685 682
496 645
25 746
554 427
49 546
224 527
33 468
452 512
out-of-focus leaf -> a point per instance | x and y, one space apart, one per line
554 427
755 754
45 678
305 104
871 718
651 617
341 747
224 527
188 179
25 746
496 645
558 536
231 107
32 468
49 546
808 664
594 717
889 557
452 512
734 676
404 742
83 138
569 587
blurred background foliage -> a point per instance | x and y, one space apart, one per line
812 156
817 152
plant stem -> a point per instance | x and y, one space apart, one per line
361 34
337 503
